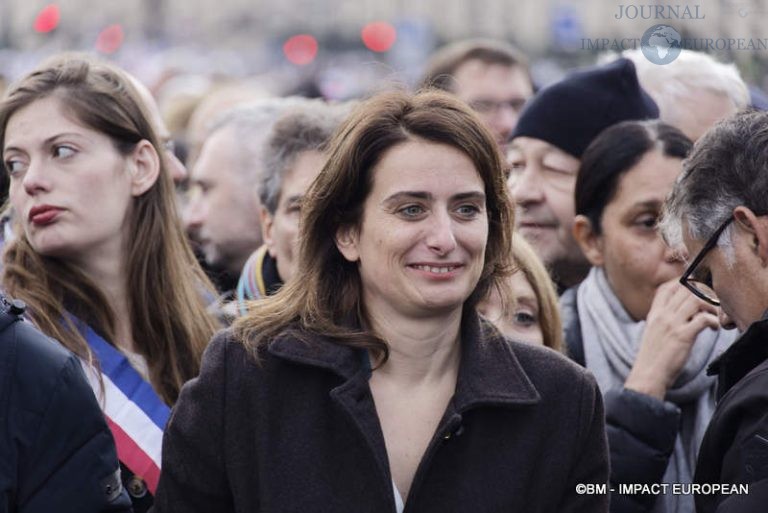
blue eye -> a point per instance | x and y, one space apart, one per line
411 211
63 151
14 166
524 318
468 211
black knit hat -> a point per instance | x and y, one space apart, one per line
571 113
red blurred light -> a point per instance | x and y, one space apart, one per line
47 19
110 39
378 36
300 49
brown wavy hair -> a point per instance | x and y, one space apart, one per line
167 287
325 296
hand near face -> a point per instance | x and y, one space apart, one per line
674 321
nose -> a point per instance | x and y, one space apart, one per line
193 214
35 179
503 122
441 237
526 186
175 167
674 256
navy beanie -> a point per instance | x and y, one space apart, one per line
569 114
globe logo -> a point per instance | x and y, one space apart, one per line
661 44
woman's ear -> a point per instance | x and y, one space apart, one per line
346 242
144 167
589 241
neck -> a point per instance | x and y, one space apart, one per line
108 273
421 349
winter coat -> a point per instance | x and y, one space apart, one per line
300 432
56 451
641 429
735 448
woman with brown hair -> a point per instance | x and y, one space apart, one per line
368 382
99 256
532 312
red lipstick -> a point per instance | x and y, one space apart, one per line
42 215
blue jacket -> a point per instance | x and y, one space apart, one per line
56 451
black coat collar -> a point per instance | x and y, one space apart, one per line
749 351
489 372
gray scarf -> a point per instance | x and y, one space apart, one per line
611 342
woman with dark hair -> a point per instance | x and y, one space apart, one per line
369 382
99 255
631 323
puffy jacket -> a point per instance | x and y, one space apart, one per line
56 451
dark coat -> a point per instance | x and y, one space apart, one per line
641 429
735 447
301 433
56 451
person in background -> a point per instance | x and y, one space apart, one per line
100 257
644 337
175 167
718 212
694 91
553 131
222 210
294 154
491 76
533 314
368 382
56 451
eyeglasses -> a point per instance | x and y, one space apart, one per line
492 106
701 286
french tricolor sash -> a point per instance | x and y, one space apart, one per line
134 412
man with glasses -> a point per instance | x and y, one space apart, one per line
491 76
718 211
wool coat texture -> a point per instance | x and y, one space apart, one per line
299 432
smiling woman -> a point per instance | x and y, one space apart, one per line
368 382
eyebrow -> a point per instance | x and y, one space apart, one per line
648 204
471 195
47 141
296 198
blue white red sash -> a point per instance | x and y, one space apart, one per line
135 413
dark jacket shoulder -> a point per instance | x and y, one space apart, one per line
735 447
57 451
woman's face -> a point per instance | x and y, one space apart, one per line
420 246
523 322
635 258
69 186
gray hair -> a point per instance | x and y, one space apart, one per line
690 70
726 169
251 124
308 127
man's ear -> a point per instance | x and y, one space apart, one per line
346 242
267 221
756 228
589 242
144 165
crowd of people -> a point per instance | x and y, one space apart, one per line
474 296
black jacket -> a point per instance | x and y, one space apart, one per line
301 433
56 451
641 429
735 447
